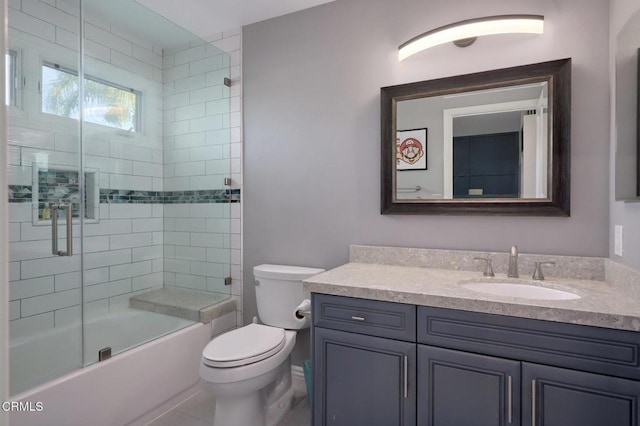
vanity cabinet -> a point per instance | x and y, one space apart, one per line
460 388
366 380
384 363
559 396
490 390
364 362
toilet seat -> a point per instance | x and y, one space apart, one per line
243 346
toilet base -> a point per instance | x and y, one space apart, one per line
239 411
279 409
249 410
258 394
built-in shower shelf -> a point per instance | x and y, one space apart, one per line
192 305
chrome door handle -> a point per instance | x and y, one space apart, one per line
54 230
533 402
406 377
356 318
510 400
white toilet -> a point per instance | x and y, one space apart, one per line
249 369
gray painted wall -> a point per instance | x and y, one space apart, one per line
312 132
625 214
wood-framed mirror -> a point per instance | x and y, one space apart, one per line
489 143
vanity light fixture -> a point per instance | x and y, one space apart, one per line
464 33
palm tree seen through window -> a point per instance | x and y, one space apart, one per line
105 103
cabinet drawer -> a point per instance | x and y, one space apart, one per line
371 317
593 349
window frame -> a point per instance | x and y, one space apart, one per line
11 82
137 117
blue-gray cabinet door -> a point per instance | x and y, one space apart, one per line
464 389
560 397
362 380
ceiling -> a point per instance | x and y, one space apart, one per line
206 18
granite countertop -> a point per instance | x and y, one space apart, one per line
601 304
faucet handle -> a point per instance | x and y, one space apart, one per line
537 272
488 268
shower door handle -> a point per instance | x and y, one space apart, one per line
54 230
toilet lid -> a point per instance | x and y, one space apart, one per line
245 345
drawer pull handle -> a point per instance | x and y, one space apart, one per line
357 318
510 400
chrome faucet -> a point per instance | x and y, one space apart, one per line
537 272
513 262
488 269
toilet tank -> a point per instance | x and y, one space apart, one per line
279 292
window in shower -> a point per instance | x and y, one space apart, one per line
105 103
11 82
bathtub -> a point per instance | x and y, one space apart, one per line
116 391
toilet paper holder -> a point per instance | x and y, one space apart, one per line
303 310
303 314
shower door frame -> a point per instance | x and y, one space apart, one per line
4 238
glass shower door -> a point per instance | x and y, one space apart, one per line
119 125
44 185
155 134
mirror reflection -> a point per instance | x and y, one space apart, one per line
480 144
494 142
627 172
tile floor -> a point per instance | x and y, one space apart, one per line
198 411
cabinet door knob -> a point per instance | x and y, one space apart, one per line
357 318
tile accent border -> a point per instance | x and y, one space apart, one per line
20 194
23 194
120 196
208 196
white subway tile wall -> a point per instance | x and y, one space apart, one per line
189 116
201 247
231 42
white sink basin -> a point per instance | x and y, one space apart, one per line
524 291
